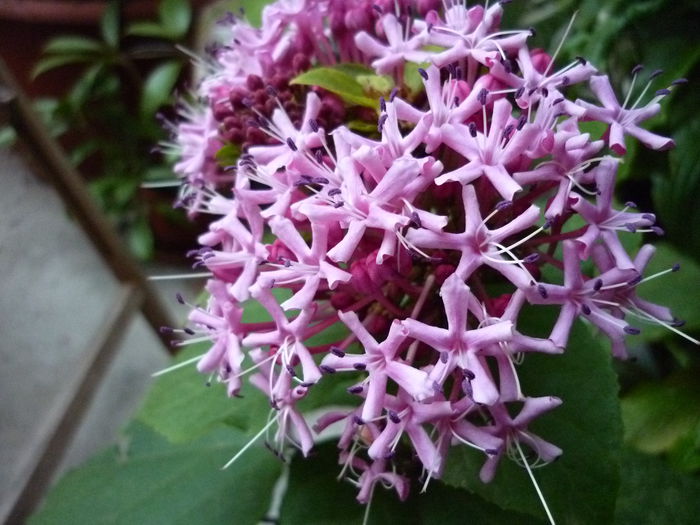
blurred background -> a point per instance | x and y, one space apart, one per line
104 76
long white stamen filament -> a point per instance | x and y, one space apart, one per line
161 184
249 444
641 314
178 365
534 482
179 276
561 43
629 91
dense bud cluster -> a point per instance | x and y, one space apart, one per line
425 236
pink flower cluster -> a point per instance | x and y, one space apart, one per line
424 236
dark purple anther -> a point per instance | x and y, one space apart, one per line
271 91
335 191
503 205
636 69
378 9
444 357
359 366
472 129
635 281
327 369
542 291
291 371
658 230
468 374
392 95
337 351
581 60
630 204
437 387
382 104
533 257
393 416
586 309
679 81
631 330
677 323
483 96
381 122
422 72
313 124
357 389
247 102
663 92
533 32
598 285
358 420
558 101
521 122
519 92
655 73
179 298
467 388
415 220
545 91
649 217
630 227
338 204
291 144
165 330
320 180
188 331
676 267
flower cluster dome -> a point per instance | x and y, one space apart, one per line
423 223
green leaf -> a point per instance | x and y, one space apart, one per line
651 493
83 88
674 290
175 15
685 455
316 497
657 415
148 30
141 240
580 487
181 407
339 82
228 155
445 505
53 62
147 480
158 88
109 25
674 193
73 45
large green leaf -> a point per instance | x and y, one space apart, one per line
148 481
181 407
581 486
337 81
658 415
651 493
316 497
676 290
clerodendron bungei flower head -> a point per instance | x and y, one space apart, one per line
398 220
